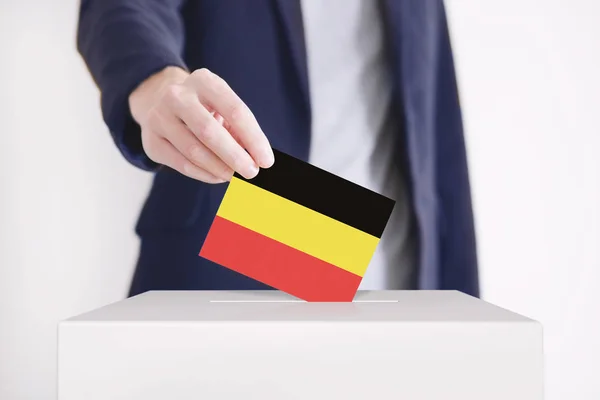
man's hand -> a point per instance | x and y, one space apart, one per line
195 124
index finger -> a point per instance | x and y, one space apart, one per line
216 94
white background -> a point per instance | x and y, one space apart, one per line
530 86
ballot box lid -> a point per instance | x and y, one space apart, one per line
256 306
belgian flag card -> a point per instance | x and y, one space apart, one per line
298 229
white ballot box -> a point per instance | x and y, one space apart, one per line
265 345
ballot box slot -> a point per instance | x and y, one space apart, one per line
295 301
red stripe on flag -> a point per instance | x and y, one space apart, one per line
276 264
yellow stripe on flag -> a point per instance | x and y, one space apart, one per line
298 226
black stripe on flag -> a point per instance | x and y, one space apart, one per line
325 193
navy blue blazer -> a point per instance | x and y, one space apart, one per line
257 46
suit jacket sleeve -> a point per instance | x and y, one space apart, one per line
458 246
122 43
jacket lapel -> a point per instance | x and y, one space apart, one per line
414 30
412 27
290 12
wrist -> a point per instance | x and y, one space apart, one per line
145 94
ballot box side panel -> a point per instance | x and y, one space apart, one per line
301 360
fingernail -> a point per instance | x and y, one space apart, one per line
267 158
252 171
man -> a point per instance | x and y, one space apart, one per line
366 89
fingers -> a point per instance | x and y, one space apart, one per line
216 95
202 129
194 151
163 152
212 134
